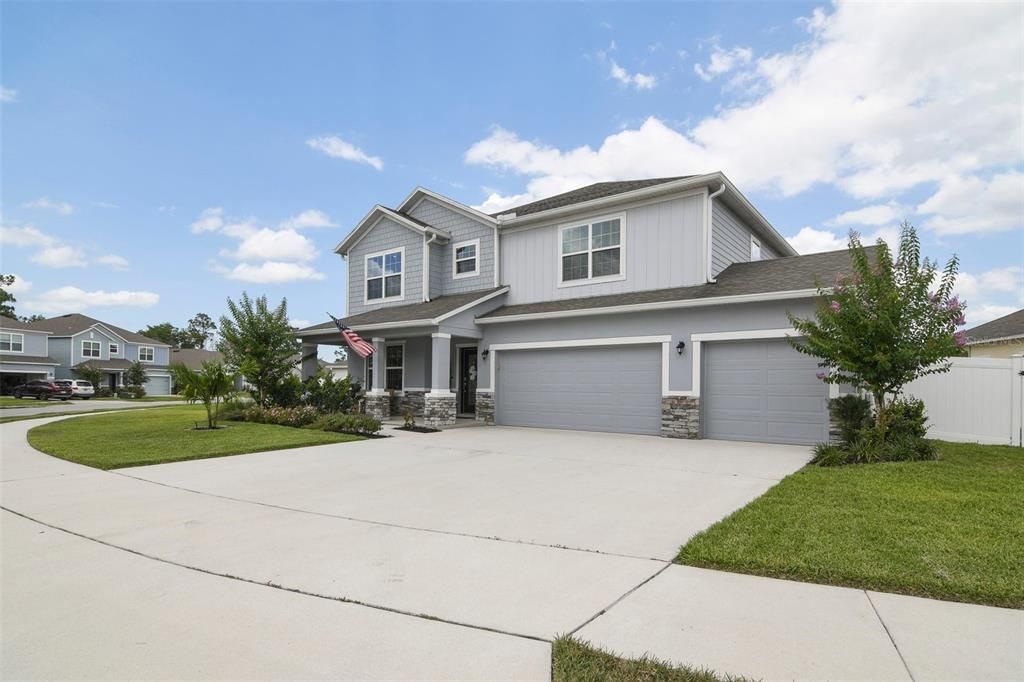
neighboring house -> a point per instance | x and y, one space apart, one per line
652 306
75 341
24 355
999 338
339 370
193 358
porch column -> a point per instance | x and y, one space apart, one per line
439 404
378 403
310 366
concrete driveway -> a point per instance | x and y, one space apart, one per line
528 533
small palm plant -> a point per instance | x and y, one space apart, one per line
211 385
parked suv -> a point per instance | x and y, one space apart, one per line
79 389
42 390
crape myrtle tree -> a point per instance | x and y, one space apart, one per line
258 341
887 324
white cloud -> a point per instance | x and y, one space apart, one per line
723 61
279 245
810 240
113 261
986 312
1008 280
640 81
970 204
209 220
864 106
20 285
308 218
337 148
104 204
869 215
24 236
61 207
299 324
273 272
8 95
59 256
72 299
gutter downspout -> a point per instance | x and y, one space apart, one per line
711 226
497 256
426 265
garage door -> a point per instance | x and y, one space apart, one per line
616 389
762 391
158 385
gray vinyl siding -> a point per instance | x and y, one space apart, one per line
730 240
33 343
94 335
461 229
60 350
680 324
664 243
161 354
385 236
37 371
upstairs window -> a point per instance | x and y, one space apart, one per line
90 349
755 248
145 354
591 252
384 275
12 343
114 349
465 259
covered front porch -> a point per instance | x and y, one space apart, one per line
426 357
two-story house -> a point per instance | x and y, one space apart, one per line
653 306
74 341
23 355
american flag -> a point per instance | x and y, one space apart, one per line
361 348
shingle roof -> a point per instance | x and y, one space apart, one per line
114 363
71 324
794 273
29 359
598 190
193 358
11 323
408 313
1006 327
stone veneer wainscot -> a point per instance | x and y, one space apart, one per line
680 417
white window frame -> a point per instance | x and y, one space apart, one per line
10 342
755 243
590 279
113 348
368 372
152 354
366 271
388 367
99 349
476 259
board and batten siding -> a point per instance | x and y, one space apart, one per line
461 228
730 240
386 235
664 244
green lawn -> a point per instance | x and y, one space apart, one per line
951 529
164 434
575 661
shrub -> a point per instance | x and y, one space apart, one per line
852 414
906 417
282 416
330 395
131 392
285 393
360 424
104 392
829 455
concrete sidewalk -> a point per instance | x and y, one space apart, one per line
59 407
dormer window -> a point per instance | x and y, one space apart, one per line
755 248
465 259
591 252
384 275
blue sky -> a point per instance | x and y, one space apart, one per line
160 157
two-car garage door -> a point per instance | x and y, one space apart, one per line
606 388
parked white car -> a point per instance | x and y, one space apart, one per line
79 388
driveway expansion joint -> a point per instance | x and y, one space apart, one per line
621 597
888 634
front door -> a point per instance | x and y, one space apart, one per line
467 380
112 381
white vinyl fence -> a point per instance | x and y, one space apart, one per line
979 400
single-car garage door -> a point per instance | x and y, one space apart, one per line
762 391
616 389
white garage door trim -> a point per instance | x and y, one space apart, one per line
664 340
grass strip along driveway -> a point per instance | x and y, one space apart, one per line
949 529
164 434
576 661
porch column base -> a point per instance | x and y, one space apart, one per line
378 405
439 409
680 417
485 407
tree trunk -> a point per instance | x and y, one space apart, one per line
880 415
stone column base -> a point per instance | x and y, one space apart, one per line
680 417
485 407
438 410
378 405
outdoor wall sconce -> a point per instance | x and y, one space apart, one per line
680 347
485 353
